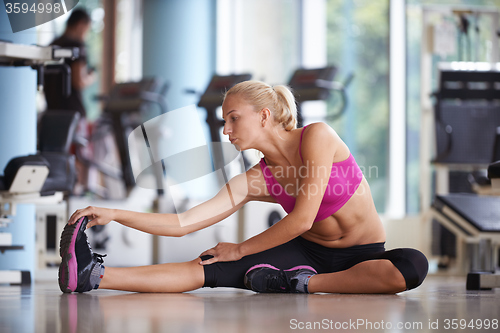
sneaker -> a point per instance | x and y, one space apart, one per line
78 260
265 278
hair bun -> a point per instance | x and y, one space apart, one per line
287 106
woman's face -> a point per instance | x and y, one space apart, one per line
242 123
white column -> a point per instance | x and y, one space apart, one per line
314 33
396 205
314 55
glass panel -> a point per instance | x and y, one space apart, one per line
262 38
94 45
358 43
128 62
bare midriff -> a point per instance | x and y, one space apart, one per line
356 223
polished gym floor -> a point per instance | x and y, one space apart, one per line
441 304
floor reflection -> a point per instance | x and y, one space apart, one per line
43 309
131 312
229 312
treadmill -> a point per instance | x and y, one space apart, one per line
126 105
317 84
210 100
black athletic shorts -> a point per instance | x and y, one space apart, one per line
411 263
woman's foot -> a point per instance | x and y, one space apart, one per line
265 278
81 269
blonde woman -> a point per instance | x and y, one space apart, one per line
331 241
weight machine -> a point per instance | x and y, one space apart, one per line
467 118
45 177
451 33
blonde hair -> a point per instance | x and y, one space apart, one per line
278 99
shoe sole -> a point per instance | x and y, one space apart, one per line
68 270
286 270
301 267
259 266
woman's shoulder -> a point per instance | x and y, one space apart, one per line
320 132
320 140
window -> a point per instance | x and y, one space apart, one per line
128 64
260 37
358 43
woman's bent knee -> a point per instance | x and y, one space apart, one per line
397 280
412 264
392 279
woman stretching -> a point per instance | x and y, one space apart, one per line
331 241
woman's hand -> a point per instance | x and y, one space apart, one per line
96 216
222 252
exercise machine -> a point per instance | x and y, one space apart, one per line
485 280
317 84
474 220
48 59
466 115
45 177
128 105
467 118
441 28
213 97
211 100
22 183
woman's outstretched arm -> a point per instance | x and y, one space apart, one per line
318 152
229 199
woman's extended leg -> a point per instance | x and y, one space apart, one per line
173 277
368 277
379 272
180 277
82 270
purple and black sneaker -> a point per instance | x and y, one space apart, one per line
265 278
80 270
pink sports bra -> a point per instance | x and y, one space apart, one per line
343 183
